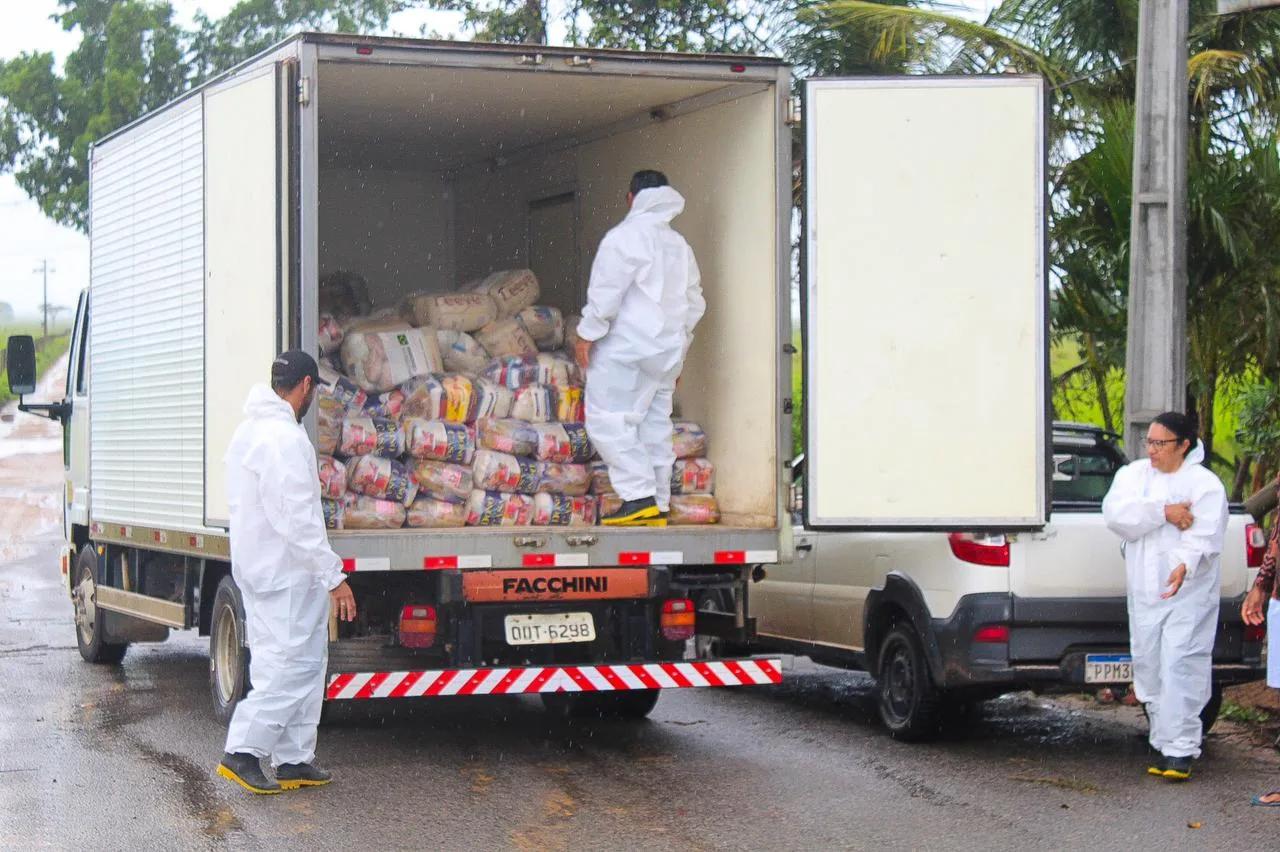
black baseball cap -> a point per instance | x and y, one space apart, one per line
291 367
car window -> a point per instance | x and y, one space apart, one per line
1083 475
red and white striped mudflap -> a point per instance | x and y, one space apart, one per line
368 564
651 557
536 679
746 557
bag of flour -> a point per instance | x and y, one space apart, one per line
512 290
491 509
379 361
506 338
452 311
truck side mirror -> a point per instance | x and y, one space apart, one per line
20 359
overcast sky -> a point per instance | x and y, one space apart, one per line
27 238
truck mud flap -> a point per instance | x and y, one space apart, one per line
539 679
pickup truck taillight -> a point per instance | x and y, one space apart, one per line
1255 545
980 549
678 618
418 626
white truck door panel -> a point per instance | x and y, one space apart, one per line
245 144
925 303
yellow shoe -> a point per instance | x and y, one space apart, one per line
245 770
636 513
1177 768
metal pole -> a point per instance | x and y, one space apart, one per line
1156 359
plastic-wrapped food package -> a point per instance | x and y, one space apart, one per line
334 513
441 441
693 509
333 477
555 368
452 483
559 442
345 391
344 294
364 436
689 441
512 290
330 334
461 352
553 510
427 513
453 311
508 436
506 338
379 361
570 404
388 406
514 372
459 397
600 483
329 416
492 509
557 478
423 398
544 324
495 471
535 404
693 476
370 513
385 479
490 401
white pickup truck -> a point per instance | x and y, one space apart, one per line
942 619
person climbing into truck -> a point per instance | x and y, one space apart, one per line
289 578
644 299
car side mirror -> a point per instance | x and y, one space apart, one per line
20 362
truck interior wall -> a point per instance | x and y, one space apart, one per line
392 226
721 159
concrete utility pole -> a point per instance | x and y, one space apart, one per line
1156 359
44 269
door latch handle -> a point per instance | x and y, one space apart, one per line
805 547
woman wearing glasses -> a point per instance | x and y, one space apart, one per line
1172 513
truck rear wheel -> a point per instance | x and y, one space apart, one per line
228 656
624 704
90 632
910 705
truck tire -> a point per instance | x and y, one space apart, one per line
1210 711
909 703
90 633
625 704
228 656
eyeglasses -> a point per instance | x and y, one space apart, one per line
1159 444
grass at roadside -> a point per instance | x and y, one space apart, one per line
47 354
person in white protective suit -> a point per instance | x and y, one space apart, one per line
1172 513
643 301
288 577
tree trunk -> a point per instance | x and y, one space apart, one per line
1099 375
536 21
1241 479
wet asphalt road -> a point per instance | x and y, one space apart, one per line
121 758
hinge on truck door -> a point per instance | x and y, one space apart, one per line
304 90
793 111
786 406
529 59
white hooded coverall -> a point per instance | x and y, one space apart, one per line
282 562
643 301
1171 640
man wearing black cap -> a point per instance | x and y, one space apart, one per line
289 578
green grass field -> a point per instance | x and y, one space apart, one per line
46 355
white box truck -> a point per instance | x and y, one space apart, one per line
424 164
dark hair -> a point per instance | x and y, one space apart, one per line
647 179
1183 426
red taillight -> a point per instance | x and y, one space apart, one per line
364 51
678 617
980 548
737 69
418 626
996 634
1255 633
1255 545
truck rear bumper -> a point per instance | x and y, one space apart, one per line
527 680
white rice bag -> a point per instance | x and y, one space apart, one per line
535 404
490 400
544 324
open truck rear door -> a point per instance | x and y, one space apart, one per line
925 303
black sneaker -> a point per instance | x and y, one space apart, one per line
246 770
294 775
1177 768
1159 763
636 513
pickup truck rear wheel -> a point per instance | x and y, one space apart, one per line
1209 714
910 705
228 656
90 635
624 704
